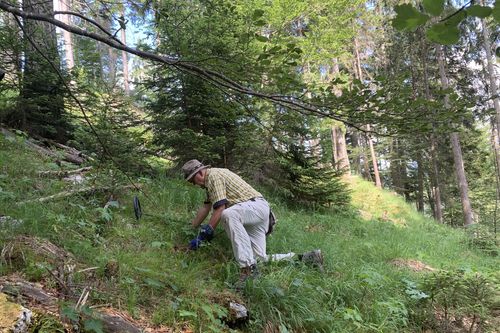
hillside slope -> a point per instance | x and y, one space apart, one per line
387 268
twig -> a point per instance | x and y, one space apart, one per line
458 11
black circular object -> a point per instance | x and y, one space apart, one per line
137 208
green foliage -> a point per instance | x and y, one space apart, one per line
434 7
445 31
117 133
479 11
85 318
308 180
46 324
480 236
454 295
408 18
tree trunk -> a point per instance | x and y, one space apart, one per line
335 158
339 150
420 183
359 71
339 145
430 195
356 145
68 44
376 173
436 183
492 76
457 151
436 202
366 165
124 56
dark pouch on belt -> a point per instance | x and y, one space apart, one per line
272 222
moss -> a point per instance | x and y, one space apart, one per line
9 312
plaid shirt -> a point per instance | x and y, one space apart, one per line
227 188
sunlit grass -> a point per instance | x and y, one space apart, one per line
360 290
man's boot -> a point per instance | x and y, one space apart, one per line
249 272
313 258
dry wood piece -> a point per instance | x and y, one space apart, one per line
414 265
63 173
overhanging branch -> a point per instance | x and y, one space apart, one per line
211 76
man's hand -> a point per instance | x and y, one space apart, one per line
206 232
194 244
206 235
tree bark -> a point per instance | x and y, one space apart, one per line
492 76
376 173
339 150
65 5
124 57
435 202
436 183
359 71
457 151
420 183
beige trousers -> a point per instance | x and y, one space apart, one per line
246 224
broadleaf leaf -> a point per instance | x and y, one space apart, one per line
496 11
434 7
408 18
479 11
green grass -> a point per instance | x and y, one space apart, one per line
360 290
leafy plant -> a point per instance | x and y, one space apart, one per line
449 296
446 30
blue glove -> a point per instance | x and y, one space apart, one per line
194 244
206 232
206 235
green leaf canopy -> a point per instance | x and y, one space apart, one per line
408 18
434 7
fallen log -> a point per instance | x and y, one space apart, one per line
48 303
84 190
68 154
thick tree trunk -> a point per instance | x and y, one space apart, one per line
339 150
65 5
429 191
339 145
457 152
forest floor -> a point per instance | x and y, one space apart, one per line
74 253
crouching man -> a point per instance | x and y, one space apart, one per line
243 212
